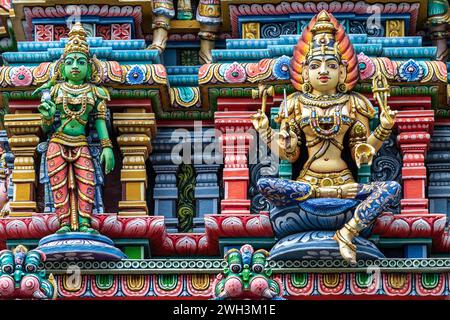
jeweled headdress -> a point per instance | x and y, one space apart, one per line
77 40
324 35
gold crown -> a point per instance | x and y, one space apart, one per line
77 40
323 24
323 37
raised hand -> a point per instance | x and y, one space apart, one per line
364 154
385 120
260 121
288 138
47 108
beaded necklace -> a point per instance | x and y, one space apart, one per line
314 123
75 90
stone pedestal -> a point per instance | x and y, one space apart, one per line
135 132
23 136
73 246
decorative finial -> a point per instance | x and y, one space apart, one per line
323 24
77 40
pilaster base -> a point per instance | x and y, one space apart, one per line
133 208
22 208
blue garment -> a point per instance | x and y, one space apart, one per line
371 199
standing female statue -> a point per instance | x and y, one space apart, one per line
70 166
325 69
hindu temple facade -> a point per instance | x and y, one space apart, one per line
183 78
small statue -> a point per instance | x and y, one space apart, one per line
324 68
20 277
247 276
69 162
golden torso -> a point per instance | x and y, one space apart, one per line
324 124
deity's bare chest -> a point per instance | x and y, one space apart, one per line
325 119
75 105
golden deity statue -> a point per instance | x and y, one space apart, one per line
321 115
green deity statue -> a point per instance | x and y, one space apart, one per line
69 161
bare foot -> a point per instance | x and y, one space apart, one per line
347 249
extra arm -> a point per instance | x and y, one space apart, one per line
284 143
360 136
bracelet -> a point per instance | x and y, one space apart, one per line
101 110
382 134
106 143
161 24
316 192
290 153
267 136
47 122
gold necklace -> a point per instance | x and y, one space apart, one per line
76 89
323 101
72 113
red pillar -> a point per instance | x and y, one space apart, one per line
414 128
235 141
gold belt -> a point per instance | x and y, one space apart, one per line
70 141
327 179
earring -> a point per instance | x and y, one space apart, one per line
342 87
306 87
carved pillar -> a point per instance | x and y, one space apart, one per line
135 132
438 164
414 127
23 132
206 193
206 162
235 142
165 191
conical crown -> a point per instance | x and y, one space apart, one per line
77 40
324 42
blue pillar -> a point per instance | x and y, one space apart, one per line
438 164
206 193
165 192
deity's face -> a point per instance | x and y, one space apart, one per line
76 67
324 74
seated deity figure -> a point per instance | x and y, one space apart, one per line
69 161
324 115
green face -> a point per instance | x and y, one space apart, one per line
76 67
